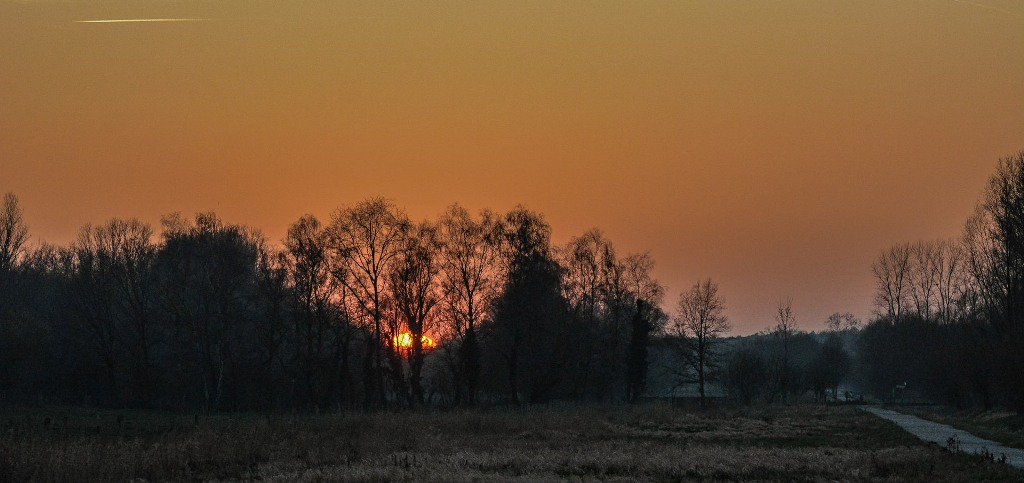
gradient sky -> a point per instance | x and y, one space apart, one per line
776 147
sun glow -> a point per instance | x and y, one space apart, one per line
405 339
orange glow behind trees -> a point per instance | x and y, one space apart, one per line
404 341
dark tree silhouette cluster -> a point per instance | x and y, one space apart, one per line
366 310
950 313
371 310
948 323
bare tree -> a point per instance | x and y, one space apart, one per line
636 280
469 282
838 322
366 239
701 321
1005 205
415 292
985 287
636 274
13 233
321 330
891 277
785 327
952 281
128 245
112 293
92 297
591 283
585 259
924 271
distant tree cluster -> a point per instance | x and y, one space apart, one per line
950 313
948 324
368 309
784 363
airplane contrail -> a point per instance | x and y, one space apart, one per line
134 20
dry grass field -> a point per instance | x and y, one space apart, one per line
645 443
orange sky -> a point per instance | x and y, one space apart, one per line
776 147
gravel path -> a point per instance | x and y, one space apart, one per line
940 434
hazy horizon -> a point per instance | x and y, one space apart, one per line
776 148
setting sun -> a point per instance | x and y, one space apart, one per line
404 341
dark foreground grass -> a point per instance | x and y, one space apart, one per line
797 443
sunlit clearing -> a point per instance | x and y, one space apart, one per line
404 341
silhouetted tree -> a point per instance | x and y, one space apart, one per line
273 295
891 271
601 305
365 240
842 322
128 248
641 327
923 273
784 329
638 280
414 290
92 295
470 279
1004 203
528 328
926 279
700 323
320 332
208 280
112 293
953 284
986 285
13 233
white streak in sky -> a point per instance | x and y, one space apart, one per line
137 20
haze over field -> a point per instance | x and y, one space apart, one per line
776 147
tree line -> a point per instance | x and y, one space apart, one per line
365 310
369 309
950 313
948 322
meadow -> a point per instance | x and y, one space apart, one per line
641 443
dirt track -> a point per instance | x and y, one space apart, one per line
941 434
